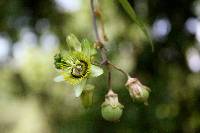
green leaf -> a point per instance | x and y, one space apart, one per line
96 71
73 42
59 78
79 88
127 7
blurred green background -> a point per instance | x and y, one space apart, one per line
32 31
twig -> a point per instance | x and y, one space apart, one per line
95 21
119 69
98 14
100 44
109 78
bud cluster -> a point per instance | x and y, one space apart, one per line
112 110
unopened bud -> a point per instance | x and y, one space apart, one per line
111 109
137 91
58 61
87 96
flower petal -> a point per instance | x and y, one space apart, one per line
59 78
88 48
96 71
79 88
85 46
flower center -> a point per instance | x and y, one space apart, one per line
79 70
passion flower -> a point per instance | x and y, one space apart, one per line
75 65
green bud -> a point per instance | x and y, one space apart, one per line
59 61
137 91
111 109
87 96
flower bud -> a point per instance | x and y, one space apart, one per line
58 61
87 96
137 91
111 109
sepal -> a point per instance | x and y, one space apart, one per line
96 71
79 88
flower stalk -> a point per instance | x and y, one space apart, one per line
100 45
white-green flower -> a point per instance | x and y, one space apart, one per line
75 66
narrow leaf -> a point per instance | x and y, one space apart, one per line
127 7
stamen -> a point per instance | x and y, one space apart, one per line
80 70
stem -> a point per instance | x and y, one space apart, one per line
100 44
119 69
98 41
98 13
95 21
103 30
103 56
109 78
